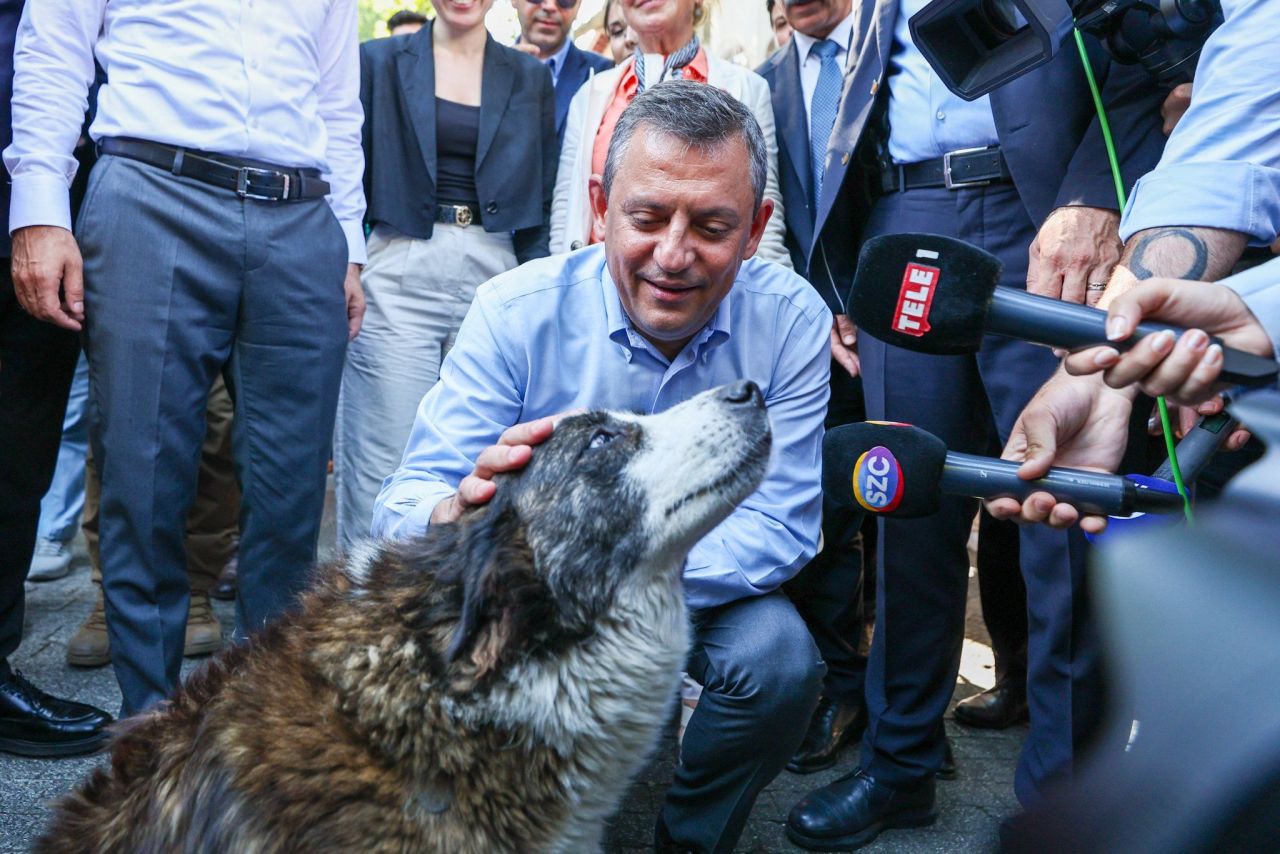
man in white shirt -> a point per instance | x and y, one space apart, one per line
207 247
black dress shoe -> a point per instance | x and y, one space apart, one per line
833 725
947 771
225 589
850 812
996 708
33 723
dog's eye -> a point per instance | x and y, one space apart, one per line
600 438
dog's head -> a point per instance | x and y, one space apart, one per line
609 502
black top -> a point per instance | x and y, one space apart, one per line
457 131
516 151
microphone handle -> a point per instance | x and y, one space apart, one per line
1197 448
1066 325
1088 491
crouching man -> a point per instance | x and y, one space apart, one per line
671 304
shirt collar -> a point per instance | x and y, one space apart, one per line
716 331
556 60
841 35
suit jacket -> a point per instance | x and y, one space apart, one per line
795 176
1048 130
516 153
579 65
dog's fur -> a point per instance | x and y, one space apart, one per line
491 687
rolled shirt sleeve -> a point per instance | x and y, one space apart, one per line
1221 167
774 533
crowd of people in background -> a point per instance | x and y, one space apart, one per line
450 160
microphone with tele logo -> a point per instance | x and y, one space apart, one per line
903 471
933 294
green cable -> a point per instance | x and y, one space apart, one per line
1165 424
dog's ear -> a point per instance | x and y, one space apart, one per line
501 592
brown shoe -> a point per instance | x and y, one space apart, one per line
204 632
89 646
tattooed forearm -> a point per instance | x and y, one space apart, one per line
1198 254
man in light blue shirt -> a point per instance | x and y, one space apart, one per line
670 305
1217 187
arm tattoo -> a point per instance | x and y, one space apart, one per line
1182 243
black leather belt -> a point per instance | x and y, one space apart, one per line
248 179
463 215
967 167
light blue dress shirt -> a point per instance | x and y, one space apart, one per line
1260 290
555 62
925 119
1221 166
552 335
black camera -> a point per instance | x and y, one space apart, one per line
979 45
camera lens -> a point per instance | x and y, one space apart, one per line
1002 15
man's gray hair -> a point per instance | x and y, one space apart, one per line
697 114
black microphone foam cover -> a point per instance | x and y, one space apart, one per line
882 468
924 292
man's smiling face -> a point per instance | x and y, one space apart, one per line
677 224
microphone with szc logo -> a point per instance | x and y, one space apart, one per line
903 471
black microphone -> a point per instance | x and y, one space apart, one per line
933 294
903 471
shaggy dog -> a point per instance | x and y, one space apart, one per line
490 687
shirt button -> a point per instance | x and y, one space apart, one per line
575 245
942 116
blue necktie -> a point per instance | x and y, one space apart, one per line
822 110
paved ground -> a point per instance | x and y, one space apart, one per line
970 807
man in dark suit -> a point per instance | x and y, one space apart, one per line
1038 193
827 592
545 26
37 361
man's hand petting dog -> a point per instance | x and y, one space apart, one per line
512 453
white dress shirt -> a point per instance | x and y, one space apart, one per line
811 64
271 80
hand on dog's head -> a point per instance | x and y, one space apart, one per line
610 504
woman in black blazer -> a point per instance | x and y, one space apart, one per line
460 160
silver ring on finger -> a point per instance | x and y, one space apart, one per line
1095 287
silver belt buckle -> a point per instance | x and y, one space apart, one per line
946 169
462 215
242 184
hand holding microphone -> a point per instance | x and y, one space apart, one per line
1186 367
900 470
934 294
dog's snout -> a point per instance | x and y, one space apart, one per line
743 393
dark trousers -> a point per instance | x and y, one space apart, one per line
37 361
1003 595
184 281
971 402
828 591
760 675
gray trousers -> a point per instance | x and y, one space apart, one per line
418 292
183 281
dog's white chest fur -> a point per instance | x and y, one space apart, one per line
602 705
